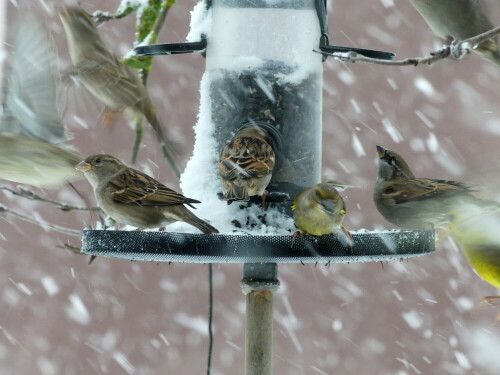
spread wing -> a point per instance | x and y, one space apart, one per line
246 158
136 188
422 188
30 91
110 78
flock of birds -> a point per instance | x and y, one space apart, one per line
33 146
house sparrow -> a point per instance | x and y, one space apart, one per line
106 77
459 20
320 210
32 136
246 164
132 197
418 203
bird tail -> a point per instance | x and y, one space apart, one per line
166 146
236 193
195 221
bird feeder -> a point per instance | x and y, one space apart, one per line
265 69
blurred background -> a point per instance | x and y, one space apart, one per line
59 315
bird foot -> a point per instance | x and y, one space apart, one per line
263 197
458 49
295 235
109 118
492 301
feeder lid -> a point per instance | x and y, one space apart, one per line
221 248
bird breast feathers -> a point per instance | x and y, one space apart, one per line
246 158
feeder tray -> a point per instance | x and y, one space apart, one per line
220 248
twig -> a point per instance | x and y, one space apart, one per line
41 223
149 33
139 129
28 194
123 10
457 50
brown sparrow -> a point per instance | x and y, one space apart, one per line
132 197
32 135
106 77
418 203
246 164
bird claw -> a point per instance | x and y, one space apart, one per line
295 235
458 49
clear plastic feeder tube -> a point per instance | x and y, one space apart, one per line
263 70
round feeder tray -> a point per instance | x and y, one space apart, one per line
220 248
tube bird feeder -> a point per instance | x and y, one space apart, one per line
264 71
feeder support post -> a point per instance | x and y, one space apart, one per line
259 283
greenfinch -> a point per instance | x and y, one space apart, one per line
320 210
477 233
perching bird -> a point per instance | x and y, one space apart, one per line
477 233
320 210
32 136
106 77
418 203
459 20
132 197
246 164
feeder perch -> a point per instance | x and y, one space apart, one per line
264 71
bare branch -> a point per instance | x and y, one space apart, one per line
456 50
40 223
28 194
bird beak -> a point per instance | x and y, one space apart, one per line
83 166
381 151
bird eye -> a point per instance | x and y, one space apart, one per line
97 161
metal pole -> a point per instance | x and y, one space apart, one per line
260 282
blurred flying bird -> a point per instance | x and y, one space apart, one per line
246 164
459 20
104 75
477 233
419 203
32 137
133 198
320 210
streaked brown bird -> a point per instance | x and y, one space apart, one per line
246 164
107 78
33 140
410 202
459 20
132 197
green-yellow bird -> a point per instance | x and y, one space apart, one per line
477 233
320 210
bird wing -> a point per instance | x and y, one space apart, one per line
137 188
246 158
110 78
422 188
30 91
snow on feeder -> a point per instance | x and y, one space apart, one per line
263 70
